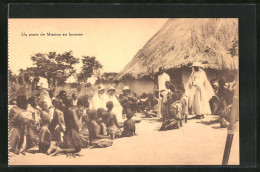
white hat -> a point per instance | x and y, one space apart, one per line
197 64
111 88
126 88
101 87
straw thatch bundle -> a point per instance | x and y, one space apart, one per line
180 42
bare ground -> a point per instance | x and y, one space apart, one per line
199 142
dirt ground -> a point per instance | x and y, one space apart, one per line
199 142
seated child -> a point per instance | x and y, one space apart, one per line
83 119
103 127
109 117
100 112
72 141
44 111
100 122
129 125
45 144
57 126
95 137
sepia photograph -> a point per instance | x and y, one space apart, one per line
123 91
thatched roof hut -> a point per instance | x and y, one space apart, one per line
181 41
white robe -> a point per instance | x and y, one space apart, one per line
98 101
43 83
199 91
44 94
45 97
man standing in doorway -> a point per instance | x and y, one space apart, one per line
162 78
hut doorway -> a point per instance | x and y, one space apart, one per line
175 76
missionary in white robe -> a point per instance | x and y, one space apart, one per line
199 91
98 100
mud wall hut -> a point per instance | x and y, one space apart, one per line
179 43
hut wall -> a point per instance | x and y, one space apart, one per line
139 86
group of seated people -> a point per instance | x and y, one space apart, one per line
66 126
221 103
70 124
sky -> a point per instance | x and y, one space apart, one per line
114 42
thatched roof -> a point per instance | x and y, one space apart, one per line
180 42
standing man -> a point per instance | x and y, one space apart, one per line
162 78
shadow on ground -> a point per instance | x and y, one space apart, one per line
153 120
209 122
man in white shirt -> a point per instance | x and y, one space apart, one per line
162 78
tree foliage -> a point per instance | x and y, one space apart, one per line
107 78
59 67
90 67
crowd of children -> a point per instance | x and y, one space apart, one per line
67 126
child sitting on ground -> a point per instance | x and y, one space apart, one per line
72 141
57 126
45 144
96 139
100 122
129 125
109 117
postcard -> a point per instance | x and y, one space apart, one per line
123 91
